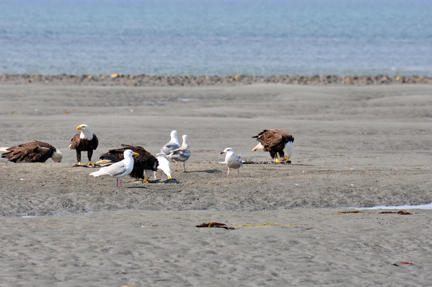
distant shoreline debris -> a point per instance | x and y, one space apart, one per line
142 80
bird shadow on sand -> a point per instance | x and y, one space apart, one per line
168 181
206 171
87 166
136 187
139 184
274 163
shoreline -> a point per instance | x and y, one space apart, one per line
191 80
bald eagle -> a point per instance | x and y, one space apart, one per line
143 162
85 140
277 142
35 151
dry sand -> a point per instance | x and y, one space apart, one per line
354 147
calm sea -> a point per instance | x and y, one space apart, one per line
216 37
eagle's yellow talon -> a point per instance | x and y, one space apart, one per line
146 180
278 160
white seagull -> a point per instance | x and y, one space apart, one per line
181 154
119 169
164 166
171 145
232 160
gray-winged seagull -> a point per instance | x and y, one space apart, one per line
181 154
119 169
172 144
232 160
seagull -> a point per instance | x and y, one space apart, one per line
181 154
232 160
172 144
144 162
164 165
119 169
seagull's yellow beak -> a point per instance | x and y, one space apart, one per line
79 128
135 153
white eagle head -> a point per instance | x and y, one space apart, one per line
57 156
86 132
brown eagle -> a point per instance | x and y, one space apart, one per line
143 162
277 142
34 151
85 140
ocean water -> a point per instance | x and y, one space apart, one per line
216 37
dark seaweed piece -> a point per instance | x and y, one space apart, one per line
402 212
215 224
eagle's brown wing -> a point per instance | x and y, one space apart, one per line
35 151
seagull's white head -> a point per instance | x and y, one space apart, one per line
129 153
164 165
57 156
227 150
185 141
174 137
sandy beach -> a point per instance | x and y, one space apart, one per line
355 146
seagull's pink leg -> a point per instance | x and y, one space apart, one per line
121 183
184 166
176 165
117 182
238 171
228 172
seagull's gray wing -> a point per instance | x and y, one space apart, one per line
181 154
169 147
235 161
238 157
116 169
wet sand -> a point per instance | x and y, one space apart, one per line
354 147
